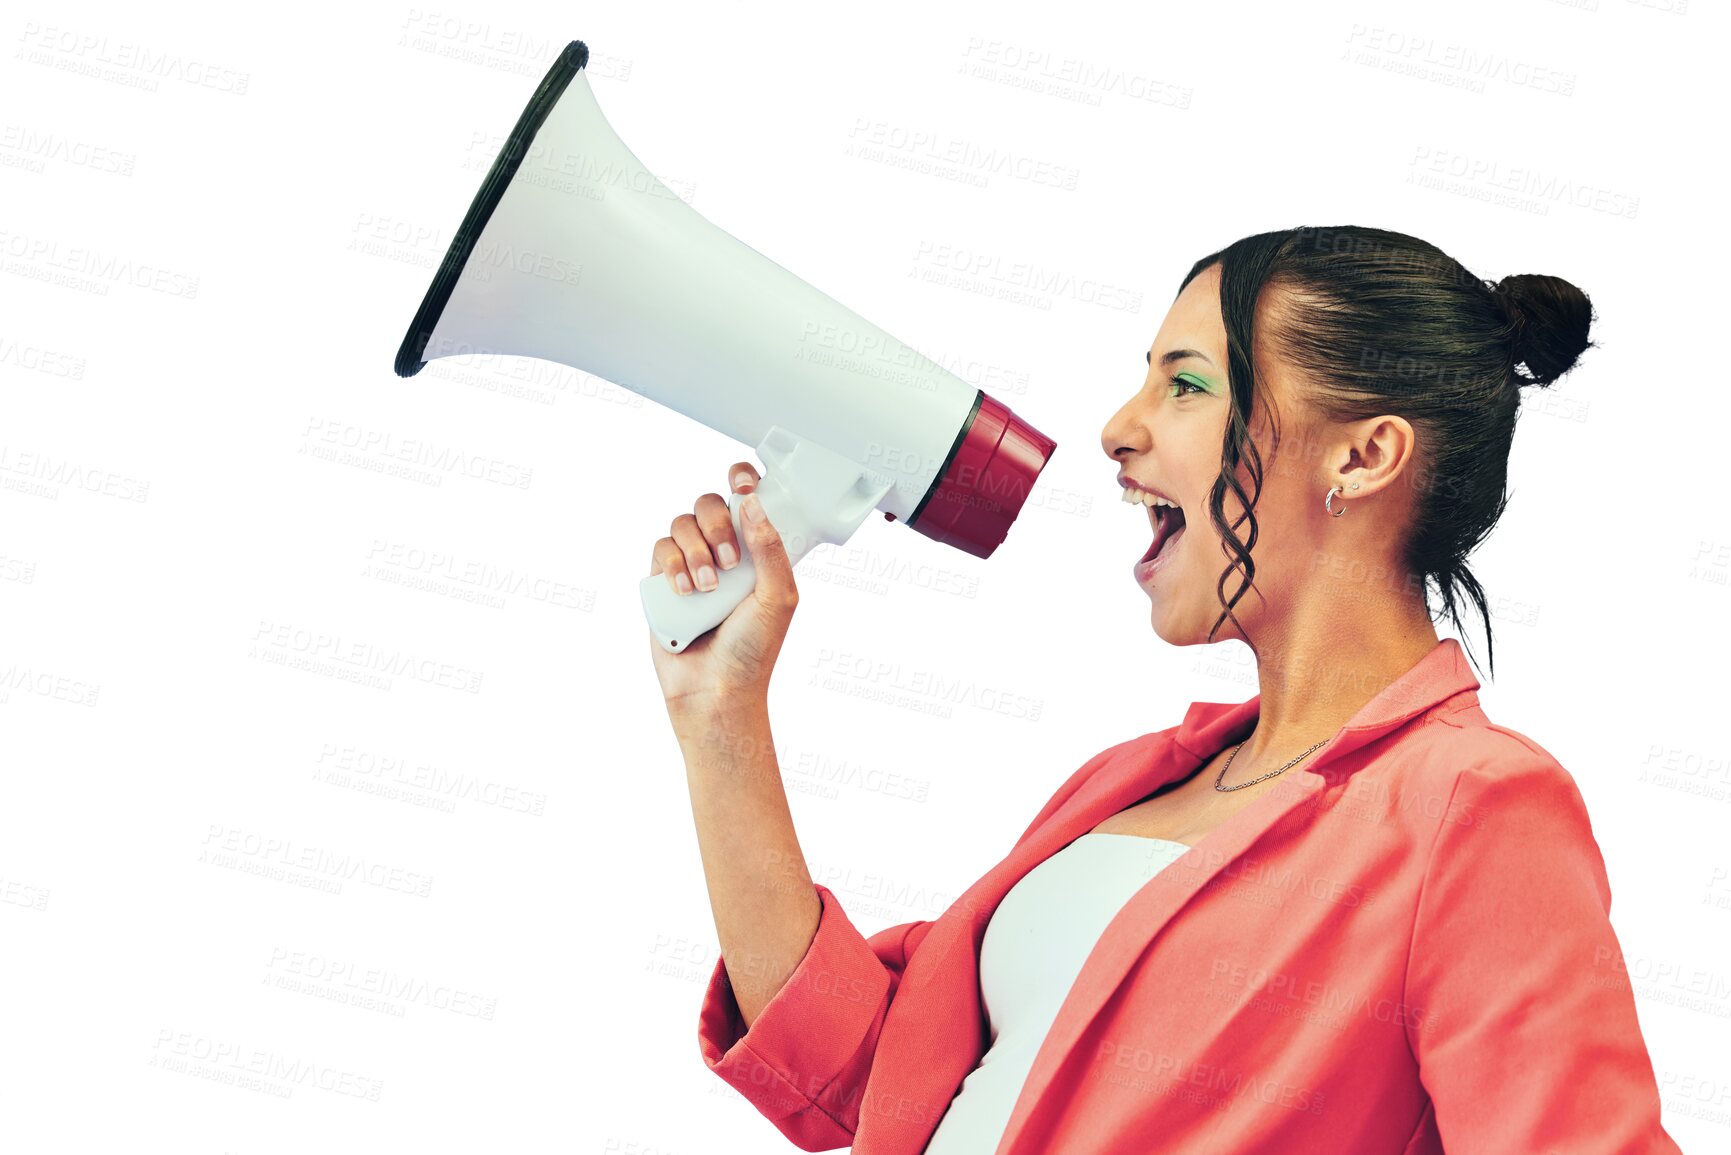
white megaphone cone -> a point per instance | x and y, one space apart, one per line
573 252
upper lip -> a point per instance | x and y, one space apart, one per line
1129 482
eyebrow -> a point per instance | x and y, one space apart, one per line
1174 355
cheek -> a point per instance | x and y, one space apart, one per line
1285 530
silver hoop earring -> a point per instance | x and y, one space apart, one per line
1327 501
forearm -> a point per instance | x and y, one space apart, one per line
765 909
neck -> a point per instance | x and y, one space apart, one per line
1316 674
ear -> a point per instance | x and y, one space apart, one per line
1373 454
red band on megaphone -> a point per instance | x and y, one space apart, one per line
990 473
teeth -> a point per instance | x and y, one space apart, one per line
1137 497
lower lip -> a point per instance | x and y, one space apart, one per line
1145 570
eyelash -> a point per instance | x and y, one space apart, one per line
1178 380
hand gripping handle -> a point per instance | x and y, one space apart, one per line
810 494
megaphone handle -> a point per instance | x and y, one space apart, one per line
809 494
678 619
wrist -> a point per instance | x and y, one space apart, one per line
716 710
732 739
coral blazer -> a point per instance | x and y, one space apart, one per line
1403 948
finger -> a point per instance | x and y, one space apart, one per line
715 519
775 584
699 561
669 559
746 483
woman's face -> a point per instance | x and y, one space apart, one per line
1168 437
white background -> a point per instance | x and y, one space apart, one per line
217 224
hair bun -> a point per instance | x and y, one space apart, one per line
1548 319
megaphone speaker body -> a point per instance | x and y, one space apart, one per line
572 251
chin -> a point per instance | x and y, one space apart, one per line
1176 638
1160 617
1175 628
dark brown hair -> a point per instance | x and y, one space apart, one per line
1381 322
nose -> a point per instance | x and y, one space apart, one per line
1125 433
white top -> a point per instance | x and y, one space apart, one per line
1034 947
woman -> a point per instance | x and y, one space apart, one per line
1349 915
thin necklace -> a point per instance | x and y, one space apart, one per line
1222 776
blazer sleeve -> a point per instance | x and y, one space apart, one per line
803 1063
1517 1004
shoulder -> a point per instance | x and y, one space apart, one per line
1460 787
1466 759
1514 835
1503 797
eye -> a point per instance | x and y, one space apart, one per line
1180 380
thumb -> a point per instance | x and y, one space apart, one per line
775 583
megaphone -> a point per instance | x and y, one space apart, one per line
574 252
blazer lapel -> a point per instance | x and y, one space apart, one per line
1208 729
936 1019
937 1014
1149 910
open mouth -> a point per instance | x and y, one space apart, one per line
1168 524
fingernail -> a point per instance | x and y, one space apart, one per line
727 555
753 508
683 582
705 578
741 479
